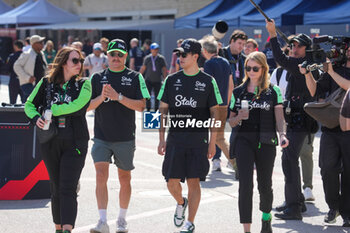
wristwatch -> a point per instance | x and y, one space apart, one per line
120 97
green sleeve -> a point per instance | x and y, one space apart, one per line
216 91
29 107
143 87
279 94
161 92
75 105
233 102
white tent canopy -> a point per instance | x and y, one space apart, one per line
39 12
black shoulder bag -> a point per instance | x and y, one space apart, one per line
328 111
46 135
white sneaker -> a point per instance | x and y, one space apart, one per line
229 165
308 194
122 225
188 228
216 165
179 216
101 227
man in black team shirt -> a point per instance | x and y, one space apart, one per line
117 92
191 98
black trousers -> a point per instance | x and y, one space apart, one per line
248 151
64 165
290 165
155 86
15 90
334 162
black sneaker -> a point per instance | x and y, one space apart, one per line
290 214
266 226
346 222
331 216
283 207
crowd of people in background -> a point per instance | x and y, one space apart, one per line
235 74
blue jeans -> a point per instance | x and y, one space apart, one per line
27 90
217 154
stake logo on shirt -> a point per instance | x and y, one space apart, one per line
126 81
254 104
183 101
199 86
57 99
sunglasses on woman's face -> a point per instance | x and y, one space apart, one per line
254 68
77 60
184 55
113 54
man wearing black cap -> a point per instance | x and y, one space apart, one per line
191 98
117 92
300 125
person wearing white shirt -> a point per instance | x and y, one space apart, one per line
96 61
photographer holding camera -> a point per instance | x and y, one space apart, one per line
334 157
300 125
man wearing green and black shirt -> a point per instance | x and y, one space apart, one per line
117 93
191 98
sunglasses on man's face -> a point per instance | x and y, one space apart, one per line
242 37
254 68
77 60
184 55
113 54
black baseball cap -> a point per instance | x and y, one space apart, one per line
189 46
302 39
117 45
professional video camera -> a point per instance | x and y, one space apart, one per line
337 52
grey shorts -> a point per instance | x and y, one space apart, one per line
123 153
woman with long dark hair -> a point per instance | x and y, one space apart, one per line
256 105
64 154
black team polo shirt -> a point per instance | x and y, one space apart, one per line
189 98
113 121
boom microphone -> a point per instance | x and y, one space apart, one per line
283 36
